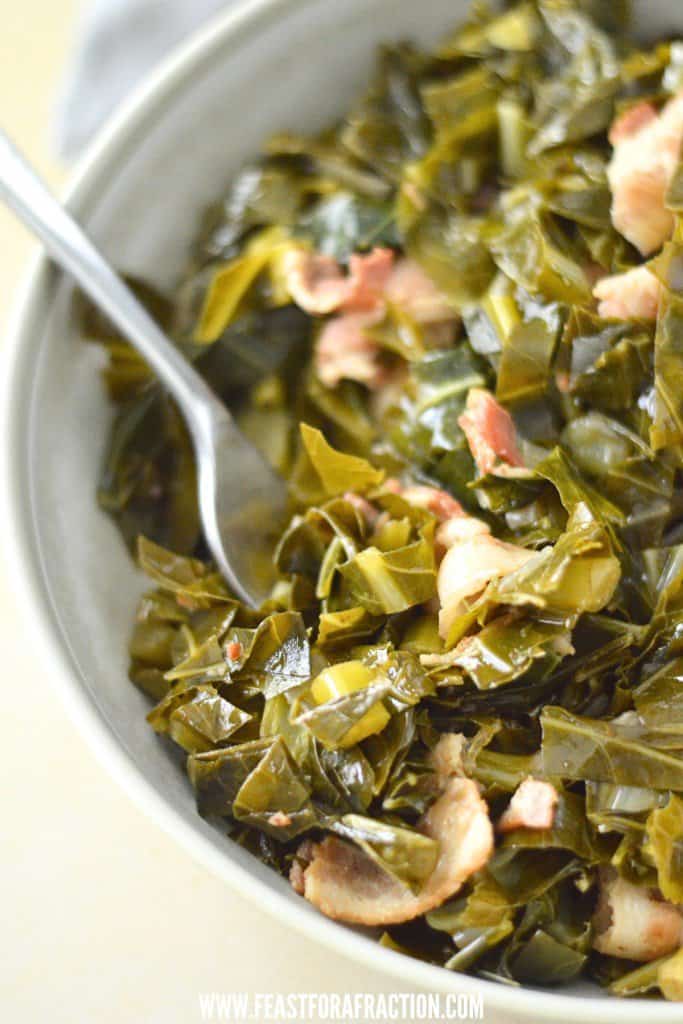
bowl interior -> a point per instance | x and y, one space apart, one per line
285 65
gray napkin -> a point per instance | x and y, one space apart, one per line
118 43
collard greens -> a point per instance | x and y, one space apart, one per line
400 314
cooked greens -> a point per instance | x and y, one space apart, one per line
454 322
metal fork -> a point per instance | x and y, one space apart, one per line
242 500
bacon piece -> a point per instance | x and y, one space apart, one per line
316 282
633 923
345 884
448 755
629 296
440 503
638 210
280 820
319 286
233 650
632 121
302 858
415 293
460 528
490 432
563 381
454 523
296 877
646 152
344 352
468 566
533 805
368 278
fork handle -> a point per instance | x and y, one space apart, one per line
24 192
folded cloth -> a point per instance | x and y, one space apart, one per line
118 43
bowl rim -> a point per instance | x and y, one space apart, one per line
223 34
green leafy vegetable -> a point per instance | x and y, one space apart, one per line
667 426
665 843
583 748
274 795
344 223
542 960
231 283
389 582
499 739
389 125
325 473
198 718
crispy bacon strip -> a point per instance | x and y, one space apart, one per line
345 352
440 503
468 566
646 151
318 284
460 528
345 884
455 524
490 432
632 923
632 121
368 279
533 805
633 295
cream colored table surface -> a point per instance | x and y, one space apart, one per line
104 918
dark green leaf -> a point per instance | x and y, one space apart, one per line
589 749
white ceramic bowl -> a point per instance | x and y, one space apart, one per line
265 66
